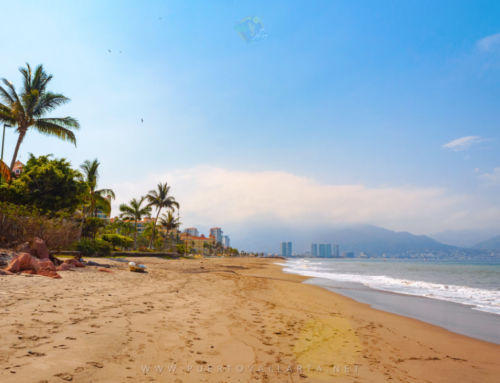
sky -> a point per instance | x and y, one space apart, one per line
278 112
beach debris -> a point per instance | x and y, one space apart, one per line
104 270
132 266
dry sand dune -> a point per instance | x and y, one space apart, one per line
217 320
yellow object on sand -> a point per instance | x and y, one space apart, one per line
132 266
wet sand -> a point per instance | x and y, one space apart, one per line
455 317
217 320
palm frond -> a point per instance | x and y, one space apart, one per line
6 115
13 94
59 127
48 102
103 203
106 193
6 96
26 72
91 171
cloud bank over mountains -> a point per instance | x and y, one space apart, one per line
231 198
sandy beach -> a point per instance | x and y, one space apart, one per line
217 320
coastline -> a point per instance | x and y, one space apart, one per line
456 317
213 319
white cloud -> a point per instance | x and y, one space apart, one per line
492 178
489 43
217 196
462 143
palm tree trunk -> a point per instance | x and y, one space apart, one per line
16 150
154 229
135 235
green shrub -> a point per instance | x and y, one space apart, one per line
118 240
86 247
99 247
103 248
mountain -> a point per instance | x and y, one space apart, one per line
463 238
376 240
489 244
370 239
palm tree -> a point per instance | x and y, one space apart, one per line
136 212
97 199
27 109
169 222
160 199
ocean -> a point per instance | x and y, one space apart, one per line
462 297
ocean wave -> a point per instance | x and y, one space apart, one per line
479 299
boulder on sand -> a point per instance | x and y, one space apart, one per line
26 263
47 269
39 249
23 262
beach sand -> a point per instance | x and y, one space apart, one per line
217 320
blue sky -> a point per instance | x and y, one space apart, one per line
339 93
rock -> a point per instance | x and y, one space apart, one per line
48 269
40 249
64 267
24 248
23 262
26 263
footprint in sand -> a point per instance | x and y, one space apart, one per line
61 346
34 353
65 376
95 364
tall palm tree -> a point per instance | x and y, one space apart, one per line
96 199
136 212
160 199
27 109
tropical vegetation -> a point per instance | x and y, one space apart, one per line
66 206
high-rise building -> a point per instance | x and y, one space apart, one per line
226 241
314 250
193 231
286 249
325 250
216 232
336 251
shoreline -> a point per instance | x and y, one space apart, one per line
221 317
455 317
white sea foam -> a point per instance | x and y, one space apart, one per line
479 299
